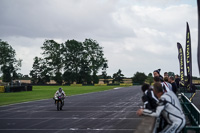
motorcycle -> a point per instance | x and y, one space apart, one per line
59 101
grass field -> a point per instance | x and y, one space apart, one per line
45 92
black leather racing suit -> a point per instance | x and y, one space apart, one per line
149 100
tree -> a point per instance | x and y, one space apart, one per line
93 54
118 77
71 61
72 52
20 75
41 73
8 63
69 77
7 70
53 58
139 78
83 59
149 78
104 73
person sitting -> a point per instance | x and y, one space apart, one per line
149 99
169 107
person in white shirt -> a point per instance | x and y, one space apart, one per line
165 87
60 92
166 83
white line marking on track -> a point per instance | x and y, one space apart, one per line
118 88
73 118
70 129
68 111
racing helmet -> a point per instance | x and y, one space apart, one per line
60 90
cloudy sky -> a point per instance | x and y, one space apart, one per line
137 35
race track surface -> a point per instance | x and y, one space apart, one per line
112 111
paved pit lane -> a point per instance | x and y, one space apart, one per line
112 111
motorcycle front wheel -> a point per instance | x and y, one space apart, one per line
58 105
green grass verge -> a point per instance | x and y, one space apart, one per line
45 92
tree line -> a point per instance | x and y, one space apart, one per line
71 61
9 65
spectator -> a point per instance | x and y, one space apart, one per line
173 83
149 99
157 79
166 82
157 73
169 107
166 74
177 80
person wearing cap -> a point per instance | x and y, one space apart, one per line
157 73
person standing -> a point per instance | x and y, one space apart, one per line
174 85
166 83
166 74
177 80
165 87
157 73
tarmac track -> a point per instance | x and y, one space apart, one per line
112 111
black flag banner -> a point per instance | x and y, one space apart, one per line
181 62
198 49
188 55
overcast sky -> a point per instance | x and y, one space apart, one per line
136 35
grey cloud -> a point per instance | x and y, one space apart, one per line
64 19
135 34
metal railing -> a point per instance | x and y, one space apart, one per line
192 112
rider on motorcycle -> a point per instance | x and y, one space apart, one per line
61 93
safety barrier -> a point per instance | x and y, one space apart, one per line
17 88
100 84
2 89
76 85
125 84
147 125
192 112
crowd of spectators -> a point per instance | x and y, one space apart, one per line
161 101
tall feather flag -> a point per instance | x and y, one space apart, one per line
181 62
188 55
198 48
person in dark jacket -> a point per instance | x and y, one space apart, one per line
177 80
157 73
149 99
173 83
